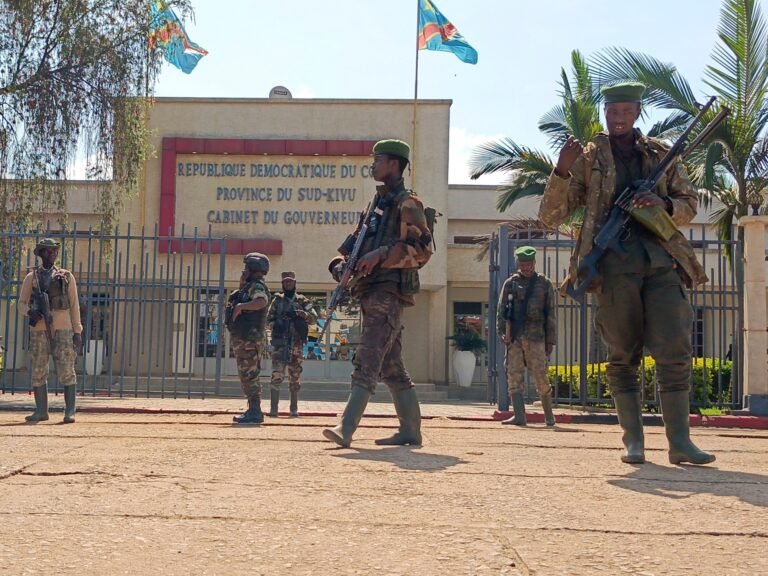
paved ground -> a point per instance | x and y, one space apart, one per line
127 493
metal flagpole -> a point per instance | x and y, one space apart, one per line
414 121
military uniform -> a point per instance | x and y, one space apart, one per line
641 299
402 237
290 315
54 336
247 336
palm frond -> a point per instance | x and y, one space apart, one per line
505 155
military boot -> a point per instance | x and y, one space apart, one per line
518 405
546 405
70 393
253 415
41 404
409 414
630 414
674 408
274 401
353 412
294 407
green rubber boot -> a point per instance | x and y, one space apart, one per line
353 412
70 394
294 407
409 414
41 404
675 407
274 402
546 405
518 405
630 414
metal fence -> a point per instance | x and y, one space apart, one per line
575 363
150 306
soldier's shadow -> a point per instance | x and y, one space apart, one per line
680 482
405 457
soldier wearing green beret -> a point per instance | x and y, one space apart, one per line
642 300
527 324
385 281
49 298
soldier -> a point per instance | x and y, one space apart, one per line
386 279
290 315
246 320
527 323
49 298
642 300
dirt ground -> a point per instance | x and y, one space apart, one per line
191 494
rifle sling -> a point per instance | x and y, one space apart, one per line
519 323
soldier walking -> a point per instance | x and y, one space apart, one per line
49 298
289 318
527 323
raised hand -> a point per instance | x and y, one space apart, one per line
570 152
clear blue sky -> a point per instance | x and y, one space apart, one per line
366 49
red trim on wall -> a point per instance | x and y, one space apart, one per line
174 146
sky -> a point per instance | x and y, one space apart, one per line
367 49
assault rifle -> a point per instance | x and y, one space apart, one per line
42 304
615 226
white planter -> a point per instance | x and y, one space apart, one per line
94 357
464 367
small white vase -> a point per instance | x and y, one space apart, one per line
464 367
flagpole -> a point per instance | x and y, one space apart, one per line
415 98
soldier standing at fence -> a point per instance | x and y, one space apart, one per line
642 300
386 279
527 323
246 320
290 315
49 298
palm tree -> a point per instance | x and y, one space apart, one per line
529 169
732 166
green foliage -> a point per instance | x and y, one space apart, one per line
468 340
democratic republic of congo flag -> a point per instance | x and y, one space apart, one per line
437 33
167 32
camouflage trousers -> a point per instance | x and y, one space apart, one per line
279 366
64 356
379 356
248 356
532 354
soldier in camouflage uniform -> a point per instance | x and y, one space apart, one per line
290 315
642 300
385 281
246 320
527 323
60 334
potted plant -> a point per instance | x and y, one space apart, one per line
466 345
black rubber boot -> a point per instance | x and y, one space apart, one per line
41 404
409 414
353 412
294 407
675 407
546 405
70 393
274 402
253 415
630 413
518 405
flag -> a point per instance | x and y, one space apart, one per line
167 32
437 33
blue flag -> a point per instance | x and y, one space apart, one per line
437 33
167 32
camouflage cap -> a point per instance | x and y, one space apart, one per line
393 148
48 243
525 253
288 275
623 92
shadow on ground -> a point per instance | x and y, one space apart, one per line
405 457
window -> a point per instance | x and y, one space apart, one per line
208 324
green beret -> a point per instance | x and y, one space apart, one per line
623 92
525 253
392 147
48 243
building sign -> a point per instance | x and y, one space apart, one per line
271 194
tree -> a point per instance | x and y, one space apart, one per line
732 166
529 169
75 82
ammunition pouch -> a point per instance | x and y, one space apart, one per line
656 219
409 282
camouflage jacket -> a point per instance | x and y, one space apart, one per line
281 306
591 185
541 316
